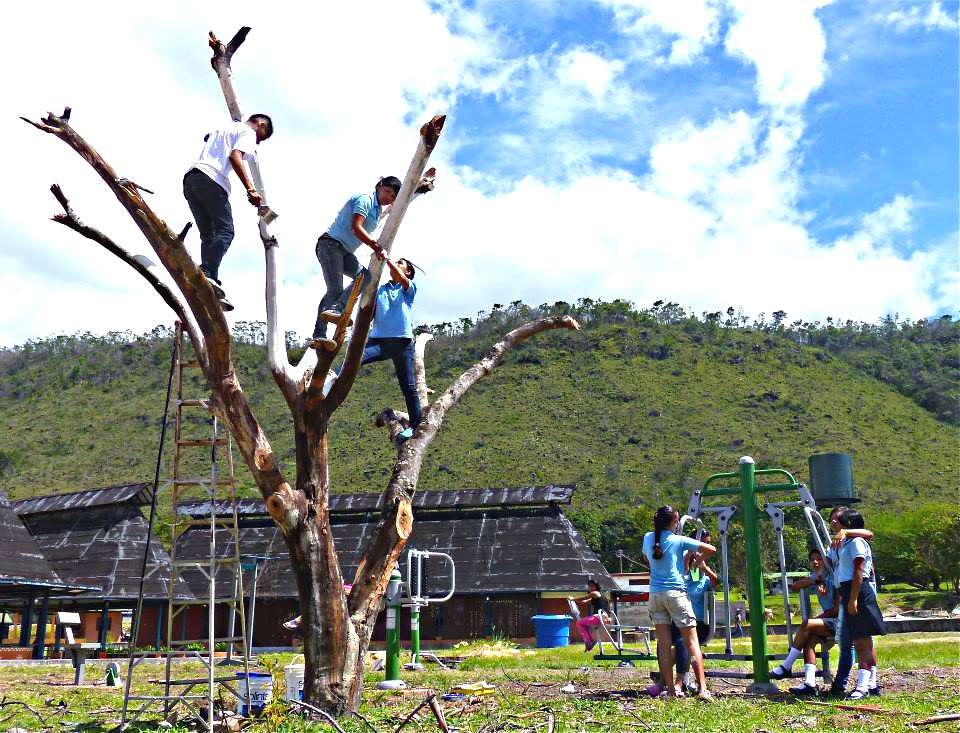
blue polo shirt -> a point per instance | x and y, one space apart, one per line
667 572
393 318
697 590
850 550
826 599
364 204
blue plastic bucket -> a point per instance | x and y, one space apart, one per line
551 630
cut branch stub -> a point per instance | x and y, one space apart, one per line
431 131
226 52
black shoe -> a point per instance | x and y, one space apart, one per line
805 690
217 290
875 691
779 673
836 693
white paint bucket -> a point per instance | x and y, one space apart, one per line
261 691
293 674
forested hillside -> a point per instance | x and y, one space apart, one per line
636 409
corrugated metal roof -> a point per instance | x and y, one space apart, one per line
527 496
495 551
140 493
21 558
103 546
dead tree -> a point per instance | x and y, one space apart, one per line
338 625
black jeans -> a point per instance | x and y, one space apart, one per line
400 351
210 206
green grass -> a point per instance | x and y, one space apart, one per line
920 672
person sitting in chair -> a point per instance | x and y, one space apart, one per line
597 603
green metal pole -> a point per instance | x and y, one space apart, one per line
758 624
415 633
393 626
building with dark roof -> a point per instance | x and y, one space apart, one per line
98 538
516 555
95 541
27 582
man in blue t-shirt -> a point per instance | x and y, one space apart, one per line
354 225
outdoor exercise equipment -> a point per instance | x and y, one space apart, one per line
743 485
750 492
611 628
412 593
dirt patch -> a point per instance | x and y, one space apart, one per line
630 683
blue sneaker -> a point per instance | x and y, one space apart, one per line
404 435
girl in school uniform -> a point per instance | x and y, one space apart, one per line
858 597
669 602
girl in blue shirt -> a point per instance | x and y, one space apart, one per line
858 596
669 602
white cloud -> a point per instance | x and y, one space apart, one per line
933 18
786 43
683 27
592 72
687 160
889 220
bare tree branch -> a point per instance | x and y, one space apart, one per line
69 219
387 542
419 368
288 379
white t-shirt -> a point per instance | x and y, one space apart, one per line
215 157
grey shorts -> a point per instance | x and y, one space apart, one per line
671 606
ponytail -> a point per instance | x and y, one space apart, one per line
662 520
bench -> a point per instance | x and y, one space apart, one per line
79 652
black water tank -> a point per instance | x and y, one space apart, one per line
831 479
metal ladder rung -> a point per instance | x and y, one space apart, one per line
203 523
217 640
194 402
225 483
201 442
205 601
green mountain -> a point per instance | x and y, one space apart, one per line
637 409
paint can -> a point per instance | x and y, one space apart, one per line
293 674
260 685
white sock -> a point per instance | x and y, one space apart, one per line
873 677
863 679
687 678
810 675
792 656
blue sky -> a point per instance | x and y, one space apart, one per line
635 149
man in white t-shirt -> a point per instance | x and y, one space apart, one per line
206 187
